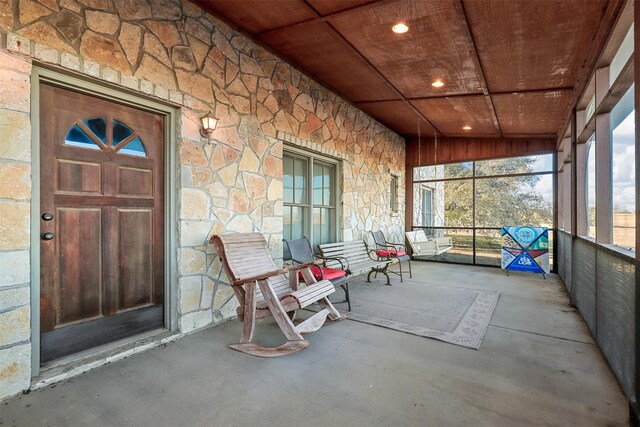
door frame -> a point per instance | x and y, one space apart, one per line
79 83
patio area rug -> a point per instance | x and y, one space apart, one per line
455 315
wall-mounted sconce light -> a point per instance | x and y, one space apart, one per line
208 124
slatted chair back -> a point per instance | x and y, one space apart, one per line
355 252
246 255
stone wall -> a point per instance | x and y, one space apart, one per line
15 196
174 52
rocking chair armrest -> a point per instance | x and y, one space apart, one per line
260 277
305 265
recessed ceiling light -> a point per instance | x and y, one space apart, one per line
467 127
400 28
437 83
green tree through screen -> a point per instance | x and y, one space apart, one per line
504 200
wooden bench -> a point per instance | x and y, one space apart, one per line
357 257
263 290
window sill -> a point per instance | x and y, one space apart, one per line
610 247
619 249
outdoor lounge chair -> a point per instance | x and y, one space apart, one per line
302 253
391 251
264 290
421 245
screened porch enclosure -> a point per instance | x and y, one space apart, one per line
471 202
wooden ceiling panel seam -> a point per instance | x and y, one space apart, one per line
403 98
331 38
328 7
477 62
536 112
451 114
526 44
377 101
325 18
302 13
511 92
399 113
283 58
433 49
310 6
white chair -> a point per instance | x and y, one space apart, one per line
421 245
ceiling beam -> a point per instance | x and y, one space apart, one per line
466 32
472 94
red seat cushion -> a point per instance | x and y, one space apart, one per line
389 253
329 273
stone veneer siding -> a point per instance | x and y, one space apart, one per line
174 52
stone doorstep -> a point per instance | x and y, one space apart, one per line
76 364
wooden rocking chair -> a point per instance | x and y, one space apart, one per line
264 290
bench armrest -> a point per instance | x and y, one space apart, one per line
260 277
339 259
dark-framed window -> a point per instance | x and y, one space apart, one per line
310 184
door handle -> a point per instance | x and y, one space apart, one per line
47 216
47 235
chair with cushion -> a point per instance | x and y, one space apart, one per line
391 251
301 253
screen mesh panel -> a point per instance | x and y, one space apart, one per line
603 289
560 254
568 252
615 316
583 291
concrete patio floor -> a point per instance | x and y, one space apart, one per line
538 365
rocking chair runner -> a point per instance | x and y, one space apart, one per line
390 251
264 290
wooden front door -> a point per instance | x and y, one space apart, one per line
101 223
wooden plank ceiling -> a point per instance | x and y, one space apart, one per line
509 68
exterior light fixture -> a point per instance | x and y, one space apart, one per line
400 28
437 83
208 124
467 127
